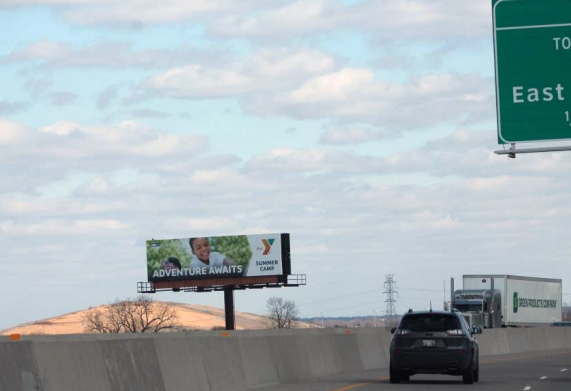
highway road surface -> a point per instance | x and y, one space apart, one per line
538 371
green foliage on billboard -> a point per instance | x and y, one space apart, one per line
168 248
234 247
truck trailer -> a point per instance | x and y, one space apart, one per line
501 300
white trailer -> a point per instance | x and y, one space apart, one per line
525 301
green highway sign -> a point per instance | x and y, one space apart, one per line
532 43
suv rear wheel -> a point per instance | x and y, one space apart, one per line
395 375
469 375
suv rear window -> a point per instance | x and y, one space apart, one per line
430 322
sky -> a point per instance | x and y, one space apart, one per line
363 128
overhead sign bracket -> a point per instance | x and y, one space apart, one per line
512 152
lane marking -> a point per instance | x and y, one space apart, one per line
543 378
563 370
352 386
527 388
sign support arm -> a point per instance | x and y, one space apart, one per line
513 151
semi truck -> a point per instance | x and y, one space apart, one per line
501 300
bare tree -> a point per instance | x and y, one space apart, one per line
281 313
138 315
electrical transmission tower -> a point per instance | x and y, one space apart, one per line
390 285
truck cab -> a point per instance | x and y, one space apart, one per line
479 306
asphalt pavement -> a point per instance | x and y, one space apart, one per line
538 371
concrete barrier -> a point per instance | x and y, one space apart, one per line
132 364
386 342
537 338
557 338
223 363
18 369
493 342
80 363
217 361
290 357
259 363
346 351
372 351
181 363
517 340
320 354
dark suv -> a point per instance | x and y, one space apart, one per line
434 342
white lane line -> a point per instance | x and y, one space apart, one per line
543 378
563 370
527 388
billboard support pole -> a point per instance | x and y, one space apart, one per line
229 307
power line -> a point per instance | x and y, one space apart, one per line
420 289
353 306
339 297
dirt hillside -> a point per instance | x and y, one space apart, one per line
190 316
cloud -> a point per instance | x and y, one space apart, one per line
36 86
99 186
195 81
135 13
265 69
308 84
126 12
142 12
333 86
470 153
12 206
148 113
394 20
289 17
14 3
12 107
60 128
105 54
355 95
62 148
60 227
399 58
215 223
62 98
352 136
107 96
10 132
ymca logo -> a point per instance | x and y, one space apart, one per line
267 245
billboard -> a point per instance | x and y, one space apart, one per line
218 257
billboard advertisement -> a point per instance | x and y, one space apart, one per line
218 257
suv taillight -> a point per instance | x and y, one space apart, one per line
455 332
402 332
